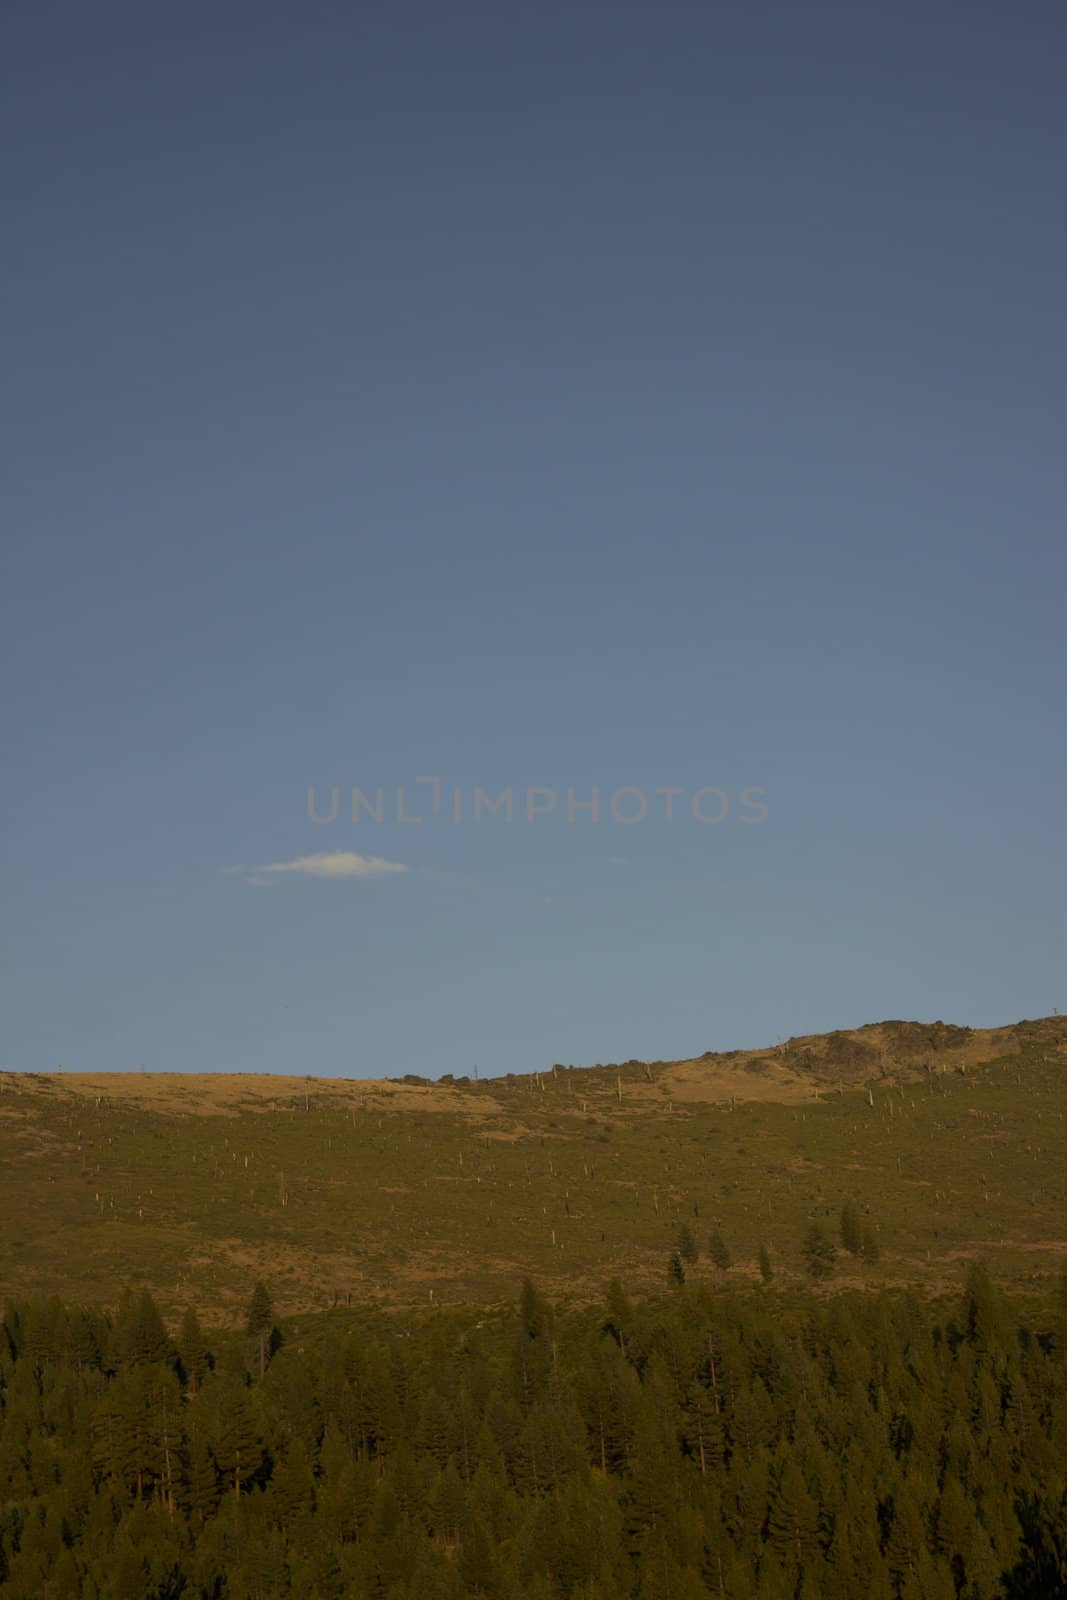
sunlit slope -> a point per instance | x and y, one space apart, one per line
949 1141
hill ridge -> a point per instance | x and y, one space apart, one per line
949 1139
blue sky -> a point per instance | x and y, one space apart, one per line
569 396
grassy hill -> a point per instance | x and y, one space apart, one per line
949 1141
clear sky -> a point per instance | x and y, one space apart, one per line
535 396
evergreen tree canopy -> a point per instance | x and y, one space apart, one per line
707 1442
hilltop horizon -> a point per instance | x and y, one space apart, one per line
486 1074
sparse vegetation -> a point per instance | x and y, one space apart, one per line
339 1192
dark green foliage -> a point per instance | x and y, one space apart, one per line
535 1314
718 1252
620 1313
704 1443
260 1311
793 1520
236 1442
260 1322
819 1253
83 1339
687 1246
981 1316
532 1348
675 1269
192 1350
140 1337
766 1269
1041 1571
851 1230
200 1488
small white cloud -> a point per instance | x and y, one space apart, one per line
329 864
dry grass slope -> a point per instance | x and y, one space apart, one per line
947 1139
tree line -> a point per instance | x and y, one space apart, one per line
706 1442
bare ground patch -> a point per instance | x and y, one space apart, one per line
231 1093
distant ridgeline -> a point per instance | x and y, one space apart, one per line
704 1443
943 1144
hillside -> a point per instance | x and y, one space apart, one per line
947 1140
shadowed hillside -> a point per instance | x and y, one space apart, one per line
945 1142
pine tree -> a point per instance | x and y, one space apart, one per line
793 1520
260 1322
140 1334
851 1231
192 1350
818 1252
869 1247
238 1448
290 1495
82 1340
702 1427
687 1246
259 1566
532 1351
718 1252
43 1330
1041 1569
435 1433
620 1314
110 1435
675 1270
652 1485
905 1540
474 1562
980 1308
448 1506
534 1314
200 1488
766 1270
